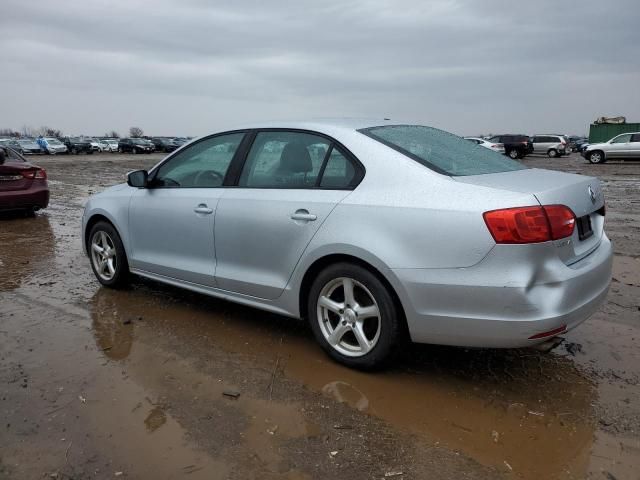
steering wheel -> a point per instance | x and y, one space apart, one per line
203 176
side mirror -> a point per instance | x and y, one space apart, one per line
138 178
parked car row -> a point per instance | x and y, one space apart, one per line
518 146
89 145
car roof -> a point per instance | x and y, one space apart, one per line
323 124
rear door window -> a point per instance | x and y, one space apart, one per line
339 172
284 159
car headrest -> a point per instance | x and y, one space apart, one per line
295 158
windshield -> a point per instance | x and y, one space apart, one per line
442 151
53 141
137 141
25 142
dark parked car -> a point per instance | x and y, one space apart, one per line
515 146
164 144
134 145
23 186
77 145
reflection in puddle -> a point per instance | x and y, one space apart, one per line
113 331
344 393
18 259
499 407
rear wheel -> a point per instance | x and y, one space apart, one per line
552 153
108 258
513 153
353 316
596 157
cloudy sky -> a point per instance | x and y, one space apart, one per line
193 67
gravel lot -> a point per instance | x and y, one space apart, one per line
96 383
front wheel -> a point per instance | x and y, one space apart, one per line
596 157
108 258
353 316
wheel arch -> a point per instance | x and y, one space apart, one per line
329 259
91 221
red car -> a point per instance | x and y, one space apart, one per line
23 186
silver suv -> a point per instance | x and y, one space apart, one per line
624 146
550 145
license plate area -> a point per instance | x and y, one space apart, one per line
584 227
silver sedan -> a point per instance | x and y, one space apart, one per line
368 230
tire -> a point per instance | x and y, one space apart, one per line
380 331
596 156
513 154
552 153
120 150
112 270
134 151
74 151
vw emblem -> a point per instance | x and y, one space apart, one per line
592 194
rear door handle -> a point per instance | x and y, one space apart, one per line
203 208
303 215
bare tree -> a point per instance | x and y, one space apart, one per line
49 132
9 132
112 134
136 132
27 131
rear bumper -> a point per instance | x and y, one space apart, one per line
33 197
502 302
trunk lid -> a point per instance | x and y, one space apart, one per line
12 178
582 194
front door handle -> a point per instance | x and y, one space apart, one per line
303 215
203 208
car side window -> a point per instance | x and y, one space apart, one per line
202 165
282 159
339 171
635 137
622 138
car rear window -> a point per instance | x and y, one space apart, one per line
442 151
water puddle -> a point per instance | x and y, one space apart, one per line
508 409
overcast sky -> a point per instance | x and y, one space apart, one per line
194 67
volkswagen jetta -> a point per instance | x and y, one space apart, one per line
369 230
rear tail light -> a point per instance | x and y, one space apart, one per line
530 224
39 173
561 219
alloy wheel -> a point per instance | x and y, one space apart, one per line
103 255
349 317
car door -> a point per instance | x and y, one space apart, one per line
619 146
634 146
265 223
171 222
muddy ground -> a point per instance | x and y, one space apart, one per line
97 383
